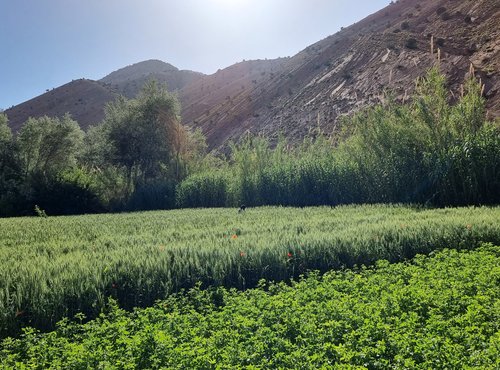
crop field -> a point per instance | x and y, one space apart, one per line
56 267
435 312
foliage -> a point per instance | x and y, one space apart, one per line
46 274
69 192
427 152
438 312
153 194
10 170
5 132
48 145
203 190
40 212
145 134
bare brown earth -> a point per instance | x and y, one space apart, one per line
336 76
83 99
129 80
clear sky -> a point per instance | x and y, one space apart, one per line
46 43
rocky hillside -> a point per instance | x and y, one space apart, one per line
129 80
83 99
352 68
338 75
221 103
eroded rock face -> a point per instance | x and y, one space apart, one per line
350 70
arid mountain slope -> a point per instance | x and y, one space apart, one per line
83 99
129 80
219 102
335 76
351 69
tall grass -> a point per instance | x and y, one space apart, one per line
429 152
57 266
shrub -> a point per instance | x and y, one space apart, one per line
440 10
70 192
411 43
153 194
209 189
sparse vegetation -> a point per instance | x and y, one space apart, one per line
411 43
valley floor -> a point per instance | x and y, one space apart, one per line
438 312
205 275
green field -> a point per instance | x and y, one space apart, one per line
438 312
55 267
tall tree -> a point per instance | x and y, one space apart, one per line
49 145
145 134
10 173
7 148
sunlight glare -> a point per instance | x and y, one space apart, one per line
231 3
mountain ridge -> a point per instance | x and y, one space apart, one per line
333 77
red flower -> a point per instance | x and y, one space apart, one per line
234 236
242 254
289 255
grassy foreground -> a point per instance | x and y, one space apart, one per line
438 312
55 267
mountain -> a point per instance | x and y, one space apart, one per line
352 68
129 80
338 75
83 99
221 103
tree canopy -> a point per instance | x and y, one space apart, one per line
145 134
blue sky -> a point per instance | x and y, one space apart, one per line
46 43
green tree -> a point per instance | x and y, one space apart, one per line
145 135
6 147
49 145
5 131
9 169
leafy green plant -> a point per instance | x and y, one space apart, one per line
137 258
437 312
40 212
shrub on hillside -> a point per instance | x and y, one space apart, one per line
411 43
